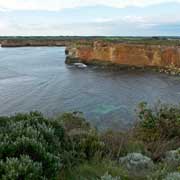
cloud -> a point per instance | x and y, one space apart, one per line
90 20
55 5
92 29
138 26
103 20
142 21
3 25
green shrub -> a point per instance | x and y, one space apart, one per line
85 141
158 173
173 176
107 176
21 168
35 147
163 171
41 140
164 122
73 121
119 144
94 170
158 129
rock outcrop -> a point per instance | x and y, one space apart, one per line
124 54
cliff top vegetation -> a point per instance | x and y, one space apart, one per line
114 39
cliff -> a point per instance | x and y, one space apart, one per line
23 43
125 54
41 41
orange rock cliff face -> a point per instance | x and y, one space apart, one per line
126 54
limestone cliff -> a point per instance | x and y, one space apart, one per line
125 54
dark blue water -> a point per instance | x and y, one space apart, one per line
36 78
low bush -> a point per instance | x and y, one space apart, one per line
33 139
162 123
21 168
158 129
67 147
95 170
120 144
73 121
85 141
109 177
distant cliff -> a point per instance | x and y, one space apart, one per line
125 54
24 43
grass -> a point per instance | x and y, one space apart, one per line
95 169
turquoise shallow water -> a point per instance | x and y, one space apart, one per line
36 78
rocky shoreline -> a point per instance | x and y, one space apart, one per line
164 59
111 55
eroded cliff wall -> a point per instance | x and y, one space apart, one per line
125 54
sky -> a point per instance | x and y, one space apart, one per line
90 17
